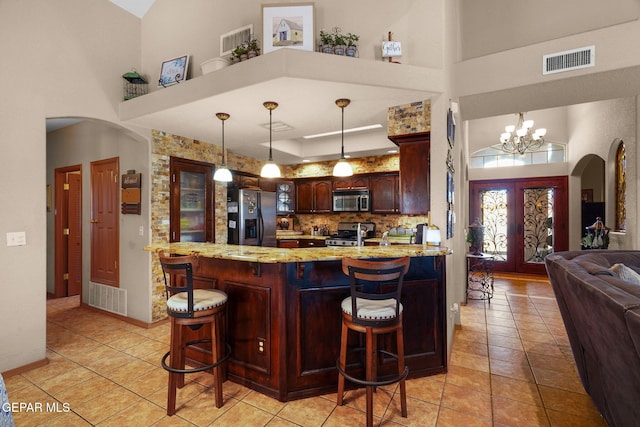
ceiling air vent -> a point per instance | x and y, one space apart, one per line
233 39
569 60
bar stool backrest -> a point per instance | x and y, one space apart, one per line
177 273
375 281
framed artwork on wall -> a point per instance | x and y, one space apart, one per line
451 128
173 71
450 204
288 25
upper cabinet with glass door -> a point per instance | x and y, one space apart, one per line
191 201
285 195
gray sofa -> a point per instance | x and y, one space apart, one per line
601 313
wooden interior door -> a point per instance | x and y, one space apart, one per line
524 220
105 230
74 282
68 231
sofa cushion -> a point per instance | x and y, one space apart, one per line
625 273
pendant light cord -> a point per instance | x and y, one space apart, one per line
342 142
223 161
270 153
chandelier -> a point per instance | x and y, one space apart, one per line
521 138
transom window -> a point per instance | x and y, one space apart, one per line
494 157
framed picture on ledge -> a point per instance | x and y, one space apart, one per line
174 71
288 25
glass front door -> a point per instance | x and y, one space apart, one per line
524 220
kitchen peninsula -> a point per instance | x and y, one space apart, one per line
283 316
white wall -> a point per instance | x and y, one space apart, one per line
65 60
596 128
195 28
485 24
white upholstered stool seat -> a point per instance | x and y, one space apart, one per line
203 299
372 309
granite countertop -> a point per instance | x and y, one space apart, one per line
270 255
294 236
396 240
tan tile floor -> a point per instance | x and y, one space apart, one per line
510 365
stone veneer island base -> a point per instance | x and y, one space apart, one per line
283 314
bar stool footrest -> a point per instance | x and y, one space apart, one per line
375 383
198 369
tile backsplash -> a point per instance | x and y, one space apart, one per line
384 222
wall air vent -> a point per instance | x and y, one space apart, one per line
569 60
235 38
108 298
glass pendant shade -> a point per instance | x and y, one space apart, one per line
270 169
222 174
342 168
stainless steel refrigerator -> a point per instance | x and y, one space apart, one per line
251 217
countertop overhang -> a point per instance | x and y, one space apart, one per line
270 255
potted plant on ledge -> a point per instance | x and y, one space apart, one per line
239 53
327 42
352 46
252 48
340 41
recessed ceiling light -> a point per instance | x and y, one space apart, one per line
306 161
337 132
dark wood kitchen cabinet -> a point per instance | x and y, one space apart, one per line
191 201
356 181
301 243
313 195
385 193
415 194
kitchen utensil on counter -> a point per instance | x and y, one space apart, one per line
385 239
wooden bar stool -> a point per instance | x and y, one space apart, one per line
376 287
193 308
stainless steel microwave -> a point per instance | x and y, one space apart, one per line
351 200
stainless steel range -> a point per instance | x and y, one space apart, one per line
347 234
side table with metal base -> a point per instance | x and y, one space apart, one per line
479 277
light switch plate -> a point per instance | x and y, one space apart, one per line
16 238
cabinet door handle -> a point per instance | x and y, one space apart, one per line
95 221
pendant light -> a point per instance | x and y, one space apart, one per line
222 174
342 168
270 169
